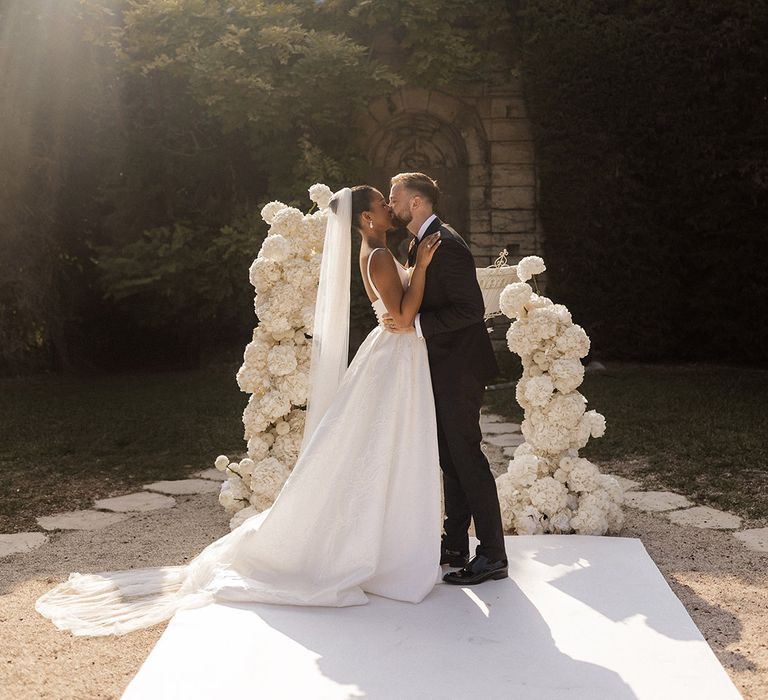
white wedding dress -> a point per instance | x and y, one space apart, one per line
360 512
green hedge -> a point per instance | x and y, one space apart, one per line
651 127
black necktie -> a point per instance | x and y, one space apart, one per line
412 251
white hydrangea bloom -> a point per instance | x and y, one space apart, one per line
314 231
538 390
560 522
523 470
573 342
274 405
254 420
563 315
566 409
545 436
591 517
596 423
276 247
308 318
286 448
287 222
528 521
538 302
296 387
253 381
258 448
321 195
269 211
245 468
583 476
282 360
611 486
509 498
548 495
221 463
522 385
303 278
567 374
268 478
227 500
530 266
513 297
542 323
296 418
234 494
520 340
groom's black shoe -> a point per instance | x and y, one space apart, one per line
480 569
453 557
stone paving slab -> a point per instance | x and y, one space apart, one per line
212 474
504 440
656 500
495 428
704 516
137 502
626 484
755 539
80 520
183 486
491 418
20 542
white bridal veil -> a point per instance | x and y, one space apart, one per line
330 341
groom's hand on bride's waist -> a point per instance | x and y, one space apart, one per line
391 325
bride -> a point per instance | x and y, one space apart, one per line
360 512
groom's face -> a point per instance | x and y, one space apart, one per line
400 203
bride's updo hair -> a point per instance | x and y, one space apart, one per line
362 198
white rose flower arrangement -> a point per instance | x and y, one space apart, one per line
275 369
548 488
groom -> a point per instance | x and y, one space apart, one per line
461 361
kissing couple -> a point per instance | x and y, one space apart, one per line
360 511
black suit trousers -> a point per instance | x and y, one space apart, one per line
469 486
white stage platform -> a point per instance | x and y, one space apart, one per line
579 617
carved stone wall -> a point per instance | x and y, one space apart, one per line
477 144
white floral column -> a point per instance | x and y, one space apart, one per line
548 488
275 369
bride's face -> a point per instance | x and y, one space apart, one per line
380 214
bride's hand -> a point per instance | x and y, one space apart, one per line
427 249
391 325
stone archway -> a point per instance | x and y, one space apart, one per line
439 134
478 145
421 142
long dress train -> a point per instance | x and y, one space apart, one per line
360 512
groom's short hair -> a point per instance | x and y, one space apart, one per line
419 182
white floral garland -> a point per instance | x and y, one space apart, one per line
275 369
548 488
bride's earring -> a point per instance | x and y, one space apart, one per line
370 224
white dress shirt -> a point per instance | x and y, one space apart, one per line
420 235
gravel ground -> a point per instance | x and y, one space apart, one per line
723 585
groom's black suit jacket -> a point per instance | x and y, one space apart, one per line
452 311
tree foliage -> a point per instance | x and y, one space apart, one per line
189 115
652 151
